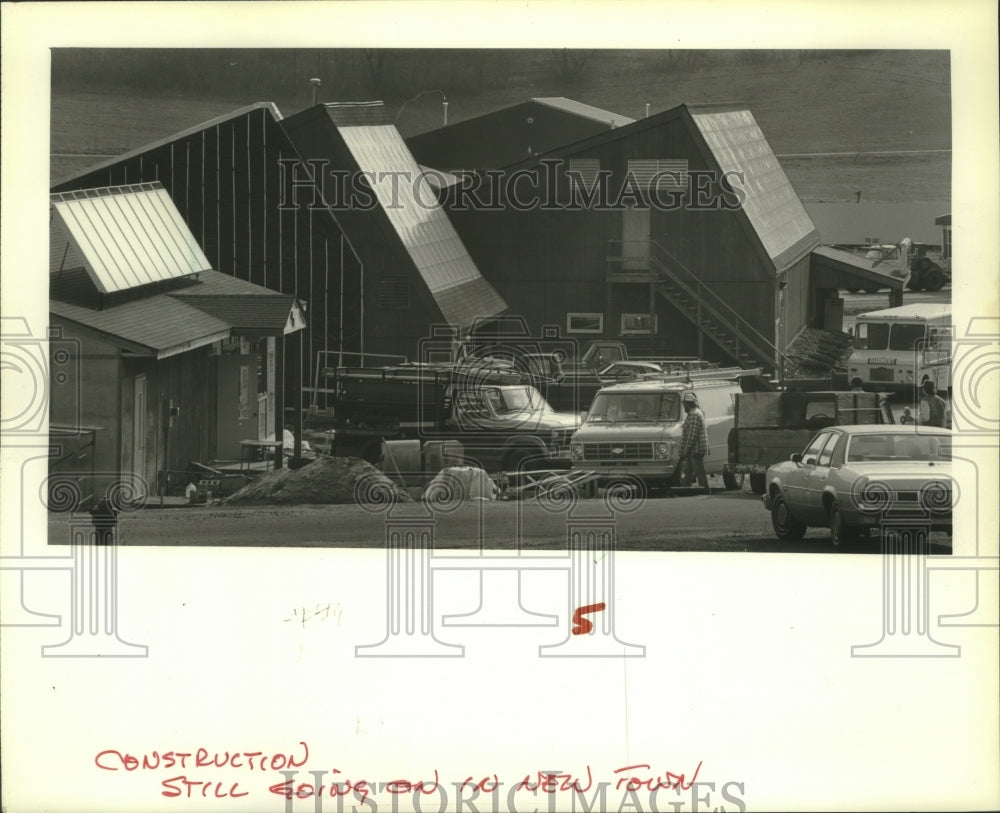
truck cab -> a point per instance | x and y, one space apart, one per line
900 348
636 429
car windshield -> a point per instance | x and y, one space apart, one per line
899 447
634 406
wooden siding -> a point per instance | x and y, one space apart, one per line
226 181
90 398
548 263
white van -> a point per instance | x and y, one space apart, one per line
900 348
636 428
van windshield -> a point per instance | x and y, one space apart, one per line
873 335
904 337
617 407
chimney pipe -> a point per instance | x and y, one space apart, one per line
647 110
315 82
444 107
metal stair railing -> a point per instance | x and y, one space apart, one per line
661 269
670 267
718 308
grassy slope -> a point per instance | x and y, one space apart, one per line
853 101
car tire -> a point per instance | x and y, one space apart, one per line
786 527
758 483
840 532
733 481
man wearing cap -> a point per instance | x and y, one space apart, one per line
694 442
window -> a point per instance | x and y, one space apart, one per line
670 173
394 293
813 449
939 338
837 459
582 173
637 323
905 337
827 454
871 336
584 322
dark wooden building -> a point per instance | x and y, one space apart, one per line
176 363
679 232
231 181
259 192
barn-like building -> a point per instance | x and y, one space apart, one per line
679 232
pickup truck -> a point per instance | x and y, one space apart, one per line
770 426
501 422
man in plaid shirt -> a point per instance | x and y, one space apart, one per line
694 442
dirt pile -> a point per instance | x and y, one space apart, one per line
818 353
325 481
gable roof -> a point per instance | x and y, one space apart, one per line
770 203
124 236
410 204
586 111
730 139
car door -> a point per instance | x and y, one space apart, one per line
796 483
816 480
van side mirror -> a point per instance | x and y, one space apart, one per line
796 457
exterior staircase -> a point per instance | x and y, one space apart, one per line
714 318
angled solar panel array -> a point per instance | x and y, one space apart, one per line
410 202
124 236
774 210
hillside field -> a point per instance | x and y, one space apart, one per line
838 102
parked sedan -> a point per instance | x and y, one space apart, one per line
853 478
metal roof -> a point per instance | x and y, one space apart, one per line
125 236
833 267
412 207
773 208
584 110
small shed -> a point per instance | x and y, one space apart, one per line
177 362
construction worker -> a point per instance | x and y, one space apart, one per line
694 442
932 406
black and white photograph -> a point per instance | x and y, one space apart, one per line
636 392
